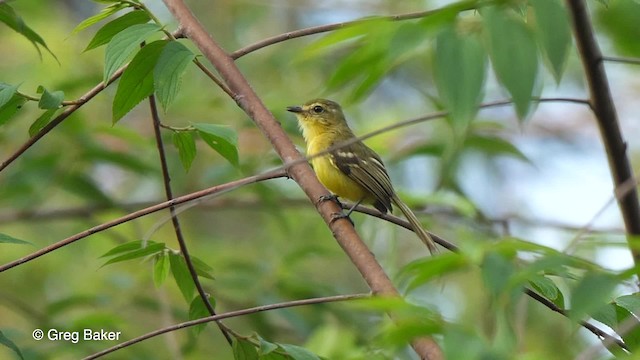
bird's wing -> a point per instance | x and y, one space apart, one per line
366 169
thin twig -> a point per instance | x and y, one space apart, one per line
459 7
624 60
253 310
610 340
214 78
166 177
607 119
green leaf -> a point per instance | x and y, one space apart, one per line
123 44
50 100
266 347
370 54
299 353
514 56
161 268
151 249
244 350
496 273
607 315
110 29
622 321
590 294
7 239
10 344
630 328
355 31
371 79
202 269
103 14
186 145
182 276
630 302
130 246
169 70
41 122
495 146
620 22
419 272
222 139
11 108
10 18
554 34
113 1
547 288
136 83
198 310
6 93
459 72
84 186
122 159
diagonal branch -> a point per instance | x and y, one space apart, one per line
605 112
278 173
248 100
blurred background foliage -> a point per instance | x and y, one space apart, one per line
534 172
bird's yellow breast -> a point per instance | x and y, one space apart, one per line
329 175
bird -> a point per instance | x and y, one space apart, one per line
352 171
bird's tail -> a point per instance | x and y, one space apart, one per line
415 224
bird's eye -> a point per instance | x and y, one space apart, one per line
318 109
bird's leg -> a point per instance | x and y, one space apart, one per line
336 216
354 207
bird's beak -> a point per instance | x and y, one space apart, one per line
294 109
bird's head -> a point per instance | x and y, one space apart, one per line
319 112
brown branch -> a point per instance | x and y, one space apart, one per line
468 5
607 119
227 315
166 177
214 78
249 101
146 211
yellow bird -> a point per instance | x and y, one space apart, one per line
354 171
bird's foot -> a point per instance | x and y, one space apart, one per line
338 216
332 197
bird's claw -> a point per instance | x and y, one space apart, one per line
331 197
338 216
